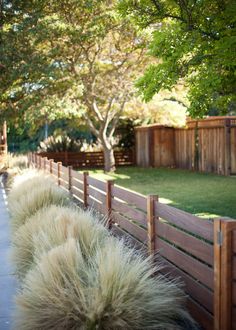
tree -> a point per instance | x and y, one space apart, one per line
78 55
194 40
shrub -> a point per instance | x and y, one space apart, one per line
19 161
29 203
50 227
114 289
59 143
26 181
12 167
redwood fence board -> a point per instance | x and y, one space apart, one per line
184 243
131 227
130 197
186 263
186 221
130 212
192 245
207 145
195 289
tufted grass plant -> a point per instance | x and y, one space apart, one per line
52 226
26 181
43 195
113 289
16 161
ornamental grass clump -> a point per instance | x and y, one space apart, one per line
52 226
112 289
26 181
43 195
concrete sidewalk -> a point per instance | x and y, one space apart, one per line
7 279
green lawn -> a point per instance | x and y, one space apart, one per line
206 195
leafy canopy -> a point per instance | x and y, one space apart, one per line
194 40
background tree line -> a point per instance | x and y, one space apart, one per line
85 60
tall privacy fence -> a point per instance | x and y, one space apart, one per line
90 159
207 145
201 253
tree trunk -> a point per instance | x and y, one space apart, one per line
109 159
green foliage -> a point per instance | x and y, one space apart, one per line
194 40
59 143
125 133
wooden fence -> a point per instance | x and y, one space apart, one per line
3 139
89 159
207 145
201 253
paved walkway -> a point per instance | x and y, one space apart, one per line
7 279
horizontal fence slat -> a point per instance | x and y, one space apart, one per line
134 214
63 169
117 231
200 315
187 221
78 193
64 184
96 194
54 165
188 264
96 205
192 245
77 184
192 287
64 175
77 175
130 197
96 183
132 228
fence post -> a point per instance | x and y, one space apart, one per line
5 136
109 185
59 173
40 162
44 163
217 273
70 179
50 165
227 146
223 272
151 223
85 182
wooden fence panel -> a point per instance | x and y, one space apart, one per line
163 147
185 148
207 145
201 253
142 148
89 159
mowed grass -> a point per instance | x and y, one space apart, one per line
205 195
